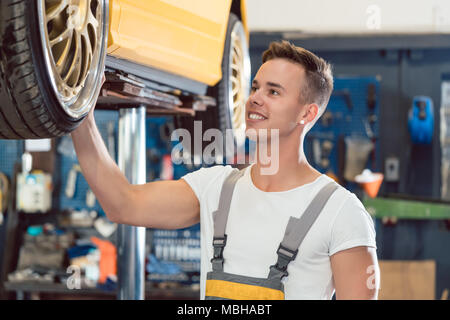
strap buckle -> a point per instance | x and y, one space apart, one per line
218 244
285 256
287 253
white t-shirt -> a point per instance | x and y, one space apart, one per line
256 226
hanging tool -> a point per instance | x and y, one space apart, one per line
317 151
371 119
71 186
421 120
327 147
327 119
90 198
371 96
72 181
357 153
344 93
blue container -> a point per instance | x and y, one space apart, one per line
421 120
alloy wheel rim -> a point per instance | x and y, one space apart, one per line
239 75
72 37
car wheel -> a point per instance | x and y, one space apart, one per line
231 93
52 57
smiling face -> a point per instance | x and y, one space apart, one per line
276 96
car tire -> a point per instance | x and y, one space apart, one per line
41 98
231 93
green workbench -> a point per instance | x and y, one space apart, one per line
399 208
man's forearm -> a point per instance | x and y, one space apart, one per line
100 171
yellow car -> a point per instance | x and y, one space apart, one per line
53 54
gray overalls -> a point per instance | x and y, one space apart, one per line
221 285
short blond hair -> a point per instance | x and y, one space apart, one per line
318 74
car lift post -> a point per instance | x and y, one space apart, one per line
130 239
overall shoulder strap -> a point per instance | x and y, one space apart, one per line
220 217
296 230
221 214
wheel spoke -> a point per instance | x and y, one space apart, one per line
234 81
54 10
62 59
66 34
91 19
236 90
90 30
235 66
86 58
75 78
237 50
91 34
236 70
74 64
88 43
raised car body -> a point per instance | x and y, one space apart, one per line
183 37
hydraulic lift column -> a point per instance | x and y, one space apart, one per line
131 240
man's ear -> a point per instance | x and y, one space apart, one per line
311 112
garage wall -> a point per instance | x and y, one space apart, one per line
367 16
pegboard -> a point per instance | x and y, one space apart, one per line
158 144
10 153
348 121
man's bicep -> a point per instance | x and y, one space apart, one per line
170 204
352 227
356 273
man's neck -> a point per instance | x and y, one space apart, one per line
291 171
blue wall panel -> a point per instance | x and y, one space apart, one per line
348 122
10 152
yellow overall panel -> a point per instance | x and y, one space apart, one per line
184 37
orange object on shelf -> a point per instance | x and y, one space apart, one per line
370 182
108 258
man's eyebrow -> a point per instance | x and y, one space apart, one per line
271 84
276 85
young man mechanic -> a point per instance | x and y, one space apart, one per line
290 90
